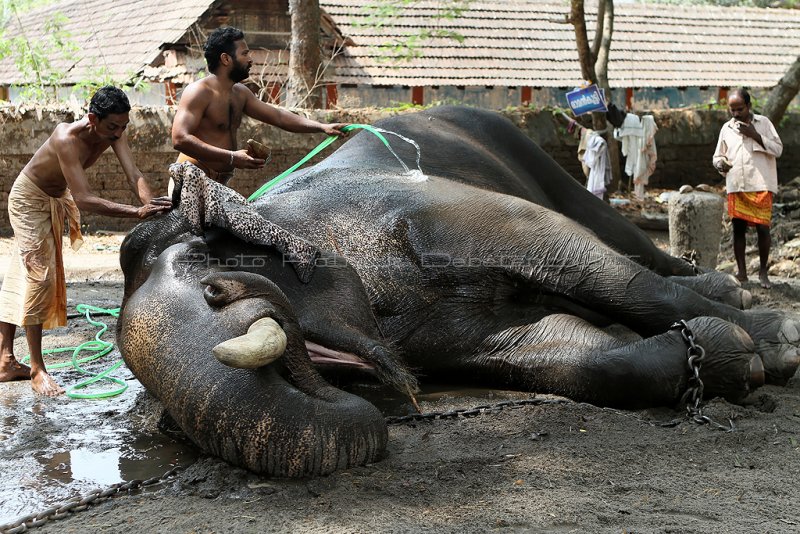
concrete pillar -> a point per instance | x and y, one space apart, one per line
695 226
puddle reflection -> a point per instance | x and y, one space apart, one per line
53 450
56 449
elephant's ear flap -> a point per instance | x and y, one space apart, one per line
190 192
247 224
176 175
205 202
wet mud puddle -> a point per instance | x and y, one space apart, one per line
54 449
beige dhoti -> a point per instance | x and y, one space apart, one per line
34 288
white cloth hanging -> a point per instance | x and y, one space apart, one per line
646 162
596 158
637 139
630 137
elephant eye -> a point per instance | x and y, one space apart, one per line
215 296
222 289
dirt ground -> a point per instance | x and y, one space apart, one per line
566 467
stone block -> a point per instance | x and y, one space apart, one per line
695 226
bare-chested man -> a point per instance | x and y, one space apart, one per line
53 186
211 109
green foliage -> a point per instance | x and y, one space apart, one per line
383 14
402 106
34 59
408 106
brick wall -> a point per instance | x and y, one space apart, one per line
685 143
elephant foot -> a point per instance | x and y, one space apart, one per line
720 287
777 341
731 292
731 368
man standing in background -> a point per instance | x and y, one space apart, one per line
746 154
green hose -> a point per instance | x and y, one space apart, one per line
272 183
100 348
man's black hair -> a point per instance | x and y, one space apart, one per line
222 40
742 92
108 100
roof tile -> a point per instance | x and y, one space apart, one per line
516 42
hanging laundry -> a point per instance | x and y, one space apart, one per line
646 164
585 134
596 158
630 137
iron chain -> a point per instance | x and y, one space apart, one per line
470 412
80 503
690 256
694 392
693 397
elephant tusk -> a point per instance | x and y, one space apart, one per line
263 343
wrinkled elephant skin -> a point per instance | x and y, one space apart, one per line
494 268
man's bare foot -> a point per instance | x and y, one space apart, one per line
742 277
11 369
764 280
43 384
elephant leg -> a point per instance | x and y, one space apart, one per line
718 286
569 262
565 355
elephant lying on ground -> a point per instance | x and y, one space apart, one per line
494 267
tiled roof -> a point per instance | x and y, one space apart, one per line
528 42
508 43
116 37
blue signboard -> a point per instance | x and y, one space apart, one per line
586 100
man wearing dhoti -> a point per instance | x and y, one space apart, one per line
746 151
52 188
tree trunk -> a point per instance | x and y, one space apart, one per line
602 47
305 65
578 18
594 67
783 93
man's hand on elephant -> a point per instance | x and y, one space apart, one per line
162 201
155 206
240 159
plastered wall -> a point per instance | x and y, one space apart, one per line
685 143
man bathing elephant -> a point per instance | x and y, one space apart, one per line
494 267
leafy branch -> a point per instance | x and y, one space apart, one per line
383 14
34 59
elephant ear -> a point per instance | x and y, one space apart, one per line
204 202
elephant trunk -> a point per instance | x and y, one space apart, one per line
300 436
259 419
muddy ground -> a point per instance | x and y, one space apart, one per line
566 467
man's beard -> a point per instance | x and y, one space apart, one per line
240 72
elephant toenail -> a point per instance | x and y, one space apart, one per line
756 372
747 299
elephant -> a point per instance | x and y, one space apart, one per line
488 265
